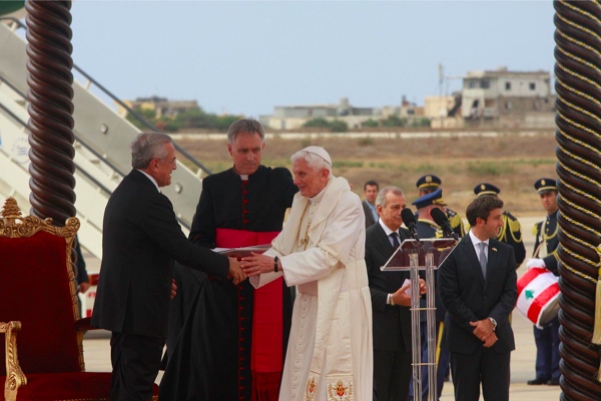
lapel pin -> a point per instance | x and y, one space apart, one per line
494 249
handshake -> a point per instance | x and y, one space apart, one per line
235 271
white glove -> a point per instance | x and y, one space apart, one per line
536 263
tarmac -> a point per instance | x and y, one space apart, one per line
97 347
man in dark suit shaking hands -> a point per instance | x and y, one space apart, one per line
477 284
141 241
390 303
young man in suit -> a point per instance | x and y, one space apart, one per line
511 232
477 285
390 303
141 240
370 190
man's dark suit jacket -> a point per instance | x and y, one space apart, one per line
469 298
391 324
369 217
141 241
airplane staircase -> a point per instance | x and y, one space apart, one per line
102 139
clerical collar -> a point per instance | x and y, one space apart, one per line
151 178
243 177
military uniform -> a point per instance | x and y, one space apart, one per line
511 232
430 183
547 241
428 229
545 248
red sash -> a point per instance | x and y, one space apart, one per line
267 349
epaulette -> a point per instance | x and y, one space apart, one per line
451 213
455 220
536 228
514 224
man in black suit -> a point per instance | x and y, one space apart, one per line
141 241
390 303
370 190
477 284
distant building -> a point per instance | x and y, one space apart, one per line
443 111
293 117
507 98
161 106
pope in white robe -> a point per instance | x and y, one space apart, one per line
321 251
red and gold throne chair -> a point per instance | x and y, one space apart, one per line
39 302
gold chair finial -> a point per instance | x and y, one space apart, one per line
11 209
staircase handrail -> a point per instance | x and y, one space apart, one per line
77 167
141 119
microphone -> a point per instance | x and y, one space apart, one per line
409 220
442 220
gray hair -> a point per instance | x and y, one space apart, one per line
148 146
314 161
381 198
245 125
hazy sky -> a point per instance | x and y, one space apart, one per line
246 57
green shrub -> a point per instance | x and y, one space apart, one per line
367 141
317 123
370 123
338 126
490 168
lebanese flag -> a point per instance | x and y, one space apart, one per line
538 289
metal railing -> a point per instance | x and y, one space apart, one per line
131 111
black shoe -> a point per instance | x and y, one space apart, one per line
553 382
537 382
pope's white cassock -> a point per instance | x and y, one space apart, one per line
322 248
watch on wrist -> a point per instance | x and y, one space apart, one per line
494 323
275 264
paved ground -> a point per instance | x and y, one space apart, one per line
97 355
97 350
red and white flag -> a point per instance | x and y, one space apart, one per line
538 290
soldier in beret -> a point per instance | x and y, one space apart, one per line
545 255
429 183
511 232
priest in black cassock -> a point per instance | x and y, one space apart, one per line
212 352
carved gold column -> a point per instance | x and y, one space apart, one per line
50 109
578 119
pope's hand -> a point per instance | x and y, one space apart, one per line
536 263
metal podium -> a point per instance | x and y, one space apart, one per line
415 256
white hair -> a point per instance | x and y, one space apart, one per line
314 161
